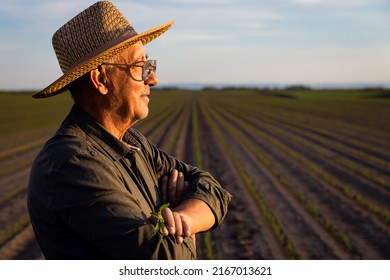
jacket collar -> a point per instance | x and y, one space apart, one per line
112 145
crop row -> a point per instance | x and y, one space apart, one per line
316 171
318 168
311 207
256 127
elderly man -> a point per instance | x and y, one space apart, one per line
97 181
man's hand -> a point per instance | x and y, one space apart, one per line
173 187
176 224
184 218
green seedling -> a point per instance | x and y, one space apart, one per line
159 227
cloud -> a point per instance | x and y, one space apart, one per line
275 35
38 16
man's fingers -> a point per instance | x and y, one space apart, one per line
176 224
186 227
169 221
172 185
180 186
179 228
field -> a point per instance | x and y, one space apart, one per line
309 170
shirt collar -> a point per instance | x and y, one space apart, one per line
115 147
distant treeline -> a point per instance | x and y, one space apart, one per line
378 91
287 88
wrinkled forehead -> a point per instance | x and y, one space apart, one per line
132 54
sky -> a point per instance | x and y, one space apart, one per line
218 42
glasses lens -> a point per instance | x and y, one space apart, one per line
149 67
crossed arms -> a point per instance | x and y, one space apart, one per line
186 217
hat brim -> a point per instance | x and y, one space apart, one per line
100 57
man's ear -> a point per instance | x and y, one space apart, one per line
98 78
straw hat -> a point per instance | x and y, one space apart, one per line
91 38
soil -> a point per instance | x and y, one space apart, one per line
352 232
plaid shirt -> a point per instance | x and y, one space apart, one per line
90 194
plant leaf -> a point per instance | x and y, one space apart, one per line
159 227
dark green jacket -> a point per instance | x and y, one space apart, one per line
90 194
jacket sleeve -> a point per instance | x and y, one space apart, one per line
203 185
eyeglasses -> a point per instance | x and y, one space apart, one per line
148 67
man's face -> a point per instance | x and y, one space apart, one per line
130 98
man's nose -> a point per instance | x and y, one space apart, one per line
152 80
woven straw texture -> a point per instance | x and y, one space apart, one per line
90 39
